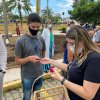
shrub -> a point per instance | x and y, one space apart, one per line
63 29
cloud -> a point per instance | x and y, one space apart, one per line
69 1
65 4
33 8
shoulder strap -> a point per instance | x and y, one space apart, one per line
40 40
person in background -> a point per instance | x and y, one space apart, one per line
29 49
93 26
91 32
96 37
70 26
67 57
49 43
83 73
17 30
86 26
97 28
3 62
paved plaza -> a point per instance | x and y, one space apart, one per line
16 94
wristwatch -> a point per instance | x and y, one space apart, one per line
62 82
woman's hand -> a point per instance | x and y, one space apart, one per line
45 61
56 75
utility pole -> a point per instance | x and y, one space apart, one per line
47 9
5 22
38 6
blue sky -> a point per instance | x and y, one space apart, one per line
57 6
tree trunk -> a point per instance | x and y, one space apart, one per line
20 14
5 22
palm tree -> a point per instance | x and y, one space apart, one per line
17 6
47 14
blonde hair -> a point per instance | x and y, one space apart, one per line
78 34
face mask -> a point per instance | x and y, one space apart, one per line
72 48
80 50
49 26
33 32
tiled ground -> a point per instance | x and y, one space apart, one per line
16 94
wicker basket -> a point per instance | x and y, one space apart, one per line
55 93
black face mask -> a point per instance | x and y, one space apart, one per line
33 32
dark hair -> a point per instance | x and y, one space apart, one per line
68 24
90 29
98 23
33 17
72 22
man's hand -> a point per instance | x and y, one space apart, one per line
34 59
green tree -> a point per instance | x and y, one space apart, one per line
86 11
79 3
18 6
47 14
14 17
56 19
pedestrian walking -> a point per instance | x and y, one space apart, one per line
17 30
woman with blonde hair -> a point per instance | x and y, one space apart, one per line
83 73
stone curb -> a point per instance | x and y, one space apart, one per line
17 83
11 85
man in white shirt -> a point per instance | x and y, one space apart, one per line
3 61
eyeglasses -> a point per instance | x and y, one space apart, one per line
70 43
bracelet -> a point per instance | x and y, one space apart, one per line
62 82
